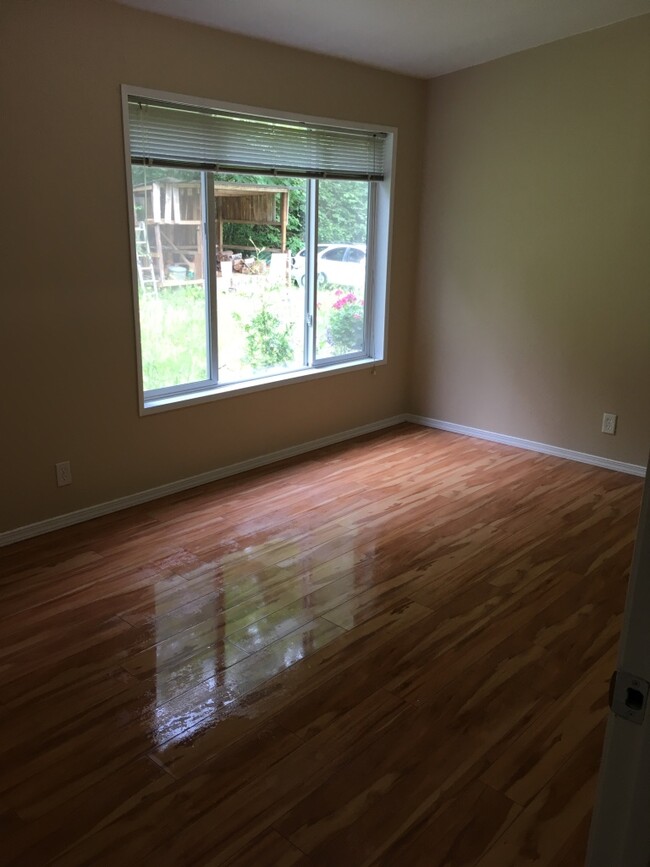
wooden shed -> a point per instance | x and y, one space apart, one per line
169 223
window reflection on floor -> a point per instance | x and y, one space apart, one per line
227 649
185 660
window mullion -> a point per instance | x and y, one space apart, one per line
210 271
311 299
369 288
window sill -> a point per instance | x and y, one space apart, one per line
206 395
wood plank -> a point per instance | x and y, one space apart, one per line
259 777
457 833
269 848
202 740
355 656
542 830
385 791
544 747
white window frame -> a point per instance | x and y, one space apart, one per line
377 270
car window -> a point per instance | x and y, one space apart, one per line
336 254
354 255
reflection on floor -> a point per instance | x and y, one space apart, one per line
393 651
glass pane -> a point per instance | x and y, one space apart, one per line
171 284
260 232
341 267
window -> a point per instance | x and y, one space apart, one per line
260 246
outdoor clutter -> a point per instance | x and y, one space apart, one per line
241 264
169 227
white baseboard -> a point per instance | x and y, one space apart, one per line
544 448
40 527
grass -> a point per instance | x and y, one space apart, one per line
173 329
173 336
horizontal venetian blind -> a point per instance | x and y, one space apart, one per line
171 135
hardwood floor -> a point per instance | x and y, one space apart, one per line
390 652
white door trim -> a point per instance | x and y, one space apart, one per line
620 830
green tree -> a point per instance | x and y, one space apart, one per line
267 340
237 234
342 212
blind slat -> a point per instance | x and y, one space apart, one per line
178 135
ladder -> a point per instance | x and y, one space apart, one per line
146 273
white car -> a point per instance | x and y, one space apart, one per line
342 264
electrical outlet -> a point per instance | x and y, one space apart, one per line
63 473
609 423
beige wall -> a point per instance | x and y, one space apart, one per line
66 329
532 311
533 307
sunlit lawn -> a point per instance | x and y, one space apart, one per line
173 329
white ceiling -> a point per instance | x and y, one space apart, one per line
419 37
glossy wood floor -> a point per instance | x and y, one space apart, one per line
390 652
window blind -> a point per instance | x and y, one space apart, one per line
172 135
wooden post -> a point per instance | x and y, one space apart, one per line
219 228
168 203
155 202
159 251
176 201
198 258
284 219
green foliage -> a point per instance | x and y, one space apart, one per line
237 234
267 340
342 213
345 331
173 330
172 327
342 210
149 174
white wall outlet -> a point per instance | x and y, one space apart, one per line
63 473
609 423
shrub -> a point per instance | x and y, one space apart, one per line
345 332
267 340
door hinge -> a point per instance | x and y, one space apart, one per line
628 696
